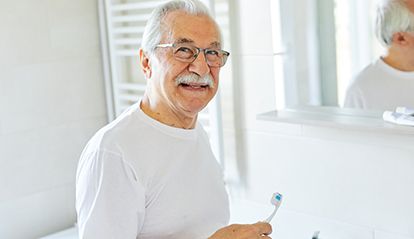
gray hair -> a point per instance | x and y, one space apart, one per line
154 31
393 16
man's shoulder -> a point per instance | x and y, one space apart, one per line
371 74
109 136
368 72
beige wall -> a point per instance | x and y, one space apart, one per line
51 102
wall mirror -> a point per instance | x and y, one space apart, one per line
321 45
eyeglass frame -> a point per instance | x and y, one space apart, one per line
199 49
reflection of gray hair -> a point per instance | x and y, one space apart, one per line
393 16
154 28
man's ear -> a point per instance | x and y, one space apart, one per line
400 39
145 63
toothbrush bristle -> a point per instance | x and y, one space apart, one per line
278 197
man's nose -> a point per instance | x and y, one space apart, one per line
199 65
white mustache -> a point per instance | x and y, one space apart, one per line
195 79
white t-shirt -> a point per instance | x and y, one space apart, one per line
381 87
139 178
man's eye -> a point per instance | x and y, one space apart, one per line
212 52
184 50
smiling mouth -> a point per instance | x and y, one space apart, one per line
194 86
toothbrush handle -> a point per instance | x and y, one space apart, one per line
271 216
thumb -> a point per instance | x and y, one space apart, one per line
263 228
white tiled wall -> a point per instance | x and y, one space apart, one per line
358 184
259 86
289 224
254 16
387 235
38 214
255 56
51 102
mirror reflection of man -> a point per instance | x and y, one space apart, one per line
388 82
151 173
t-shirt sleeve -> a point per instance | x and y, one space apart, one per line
110 200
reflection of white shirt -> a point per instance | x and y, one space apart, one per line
139 178
381 87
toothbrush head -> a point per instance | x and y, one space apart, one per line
276 199
316 235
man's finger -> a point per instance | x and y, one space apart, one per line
264 228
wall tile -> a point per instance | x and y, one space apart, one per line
73 28
254 18
270 127
364 136
258 87
24 36
44 158
289 224
387 235
35 31
364 185
38 214
79 38
3 102
52 94
61 12
70 233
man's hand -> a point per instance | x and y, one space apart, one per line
247 231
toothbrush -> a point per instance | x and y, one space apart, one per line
405 111
276 200
316 235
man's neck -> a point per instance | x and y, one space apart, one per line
399 60
166 115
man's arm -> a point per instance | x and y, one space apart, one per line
109 199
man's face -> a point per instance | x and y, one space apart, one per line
184 99
410 4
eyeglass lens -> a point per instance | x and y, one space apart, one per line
214 57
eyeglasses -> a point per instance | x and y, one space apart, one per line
188 53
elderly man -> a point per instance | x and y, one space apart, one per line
151 172
389 82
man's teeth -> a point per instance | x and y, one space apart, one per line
194 86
